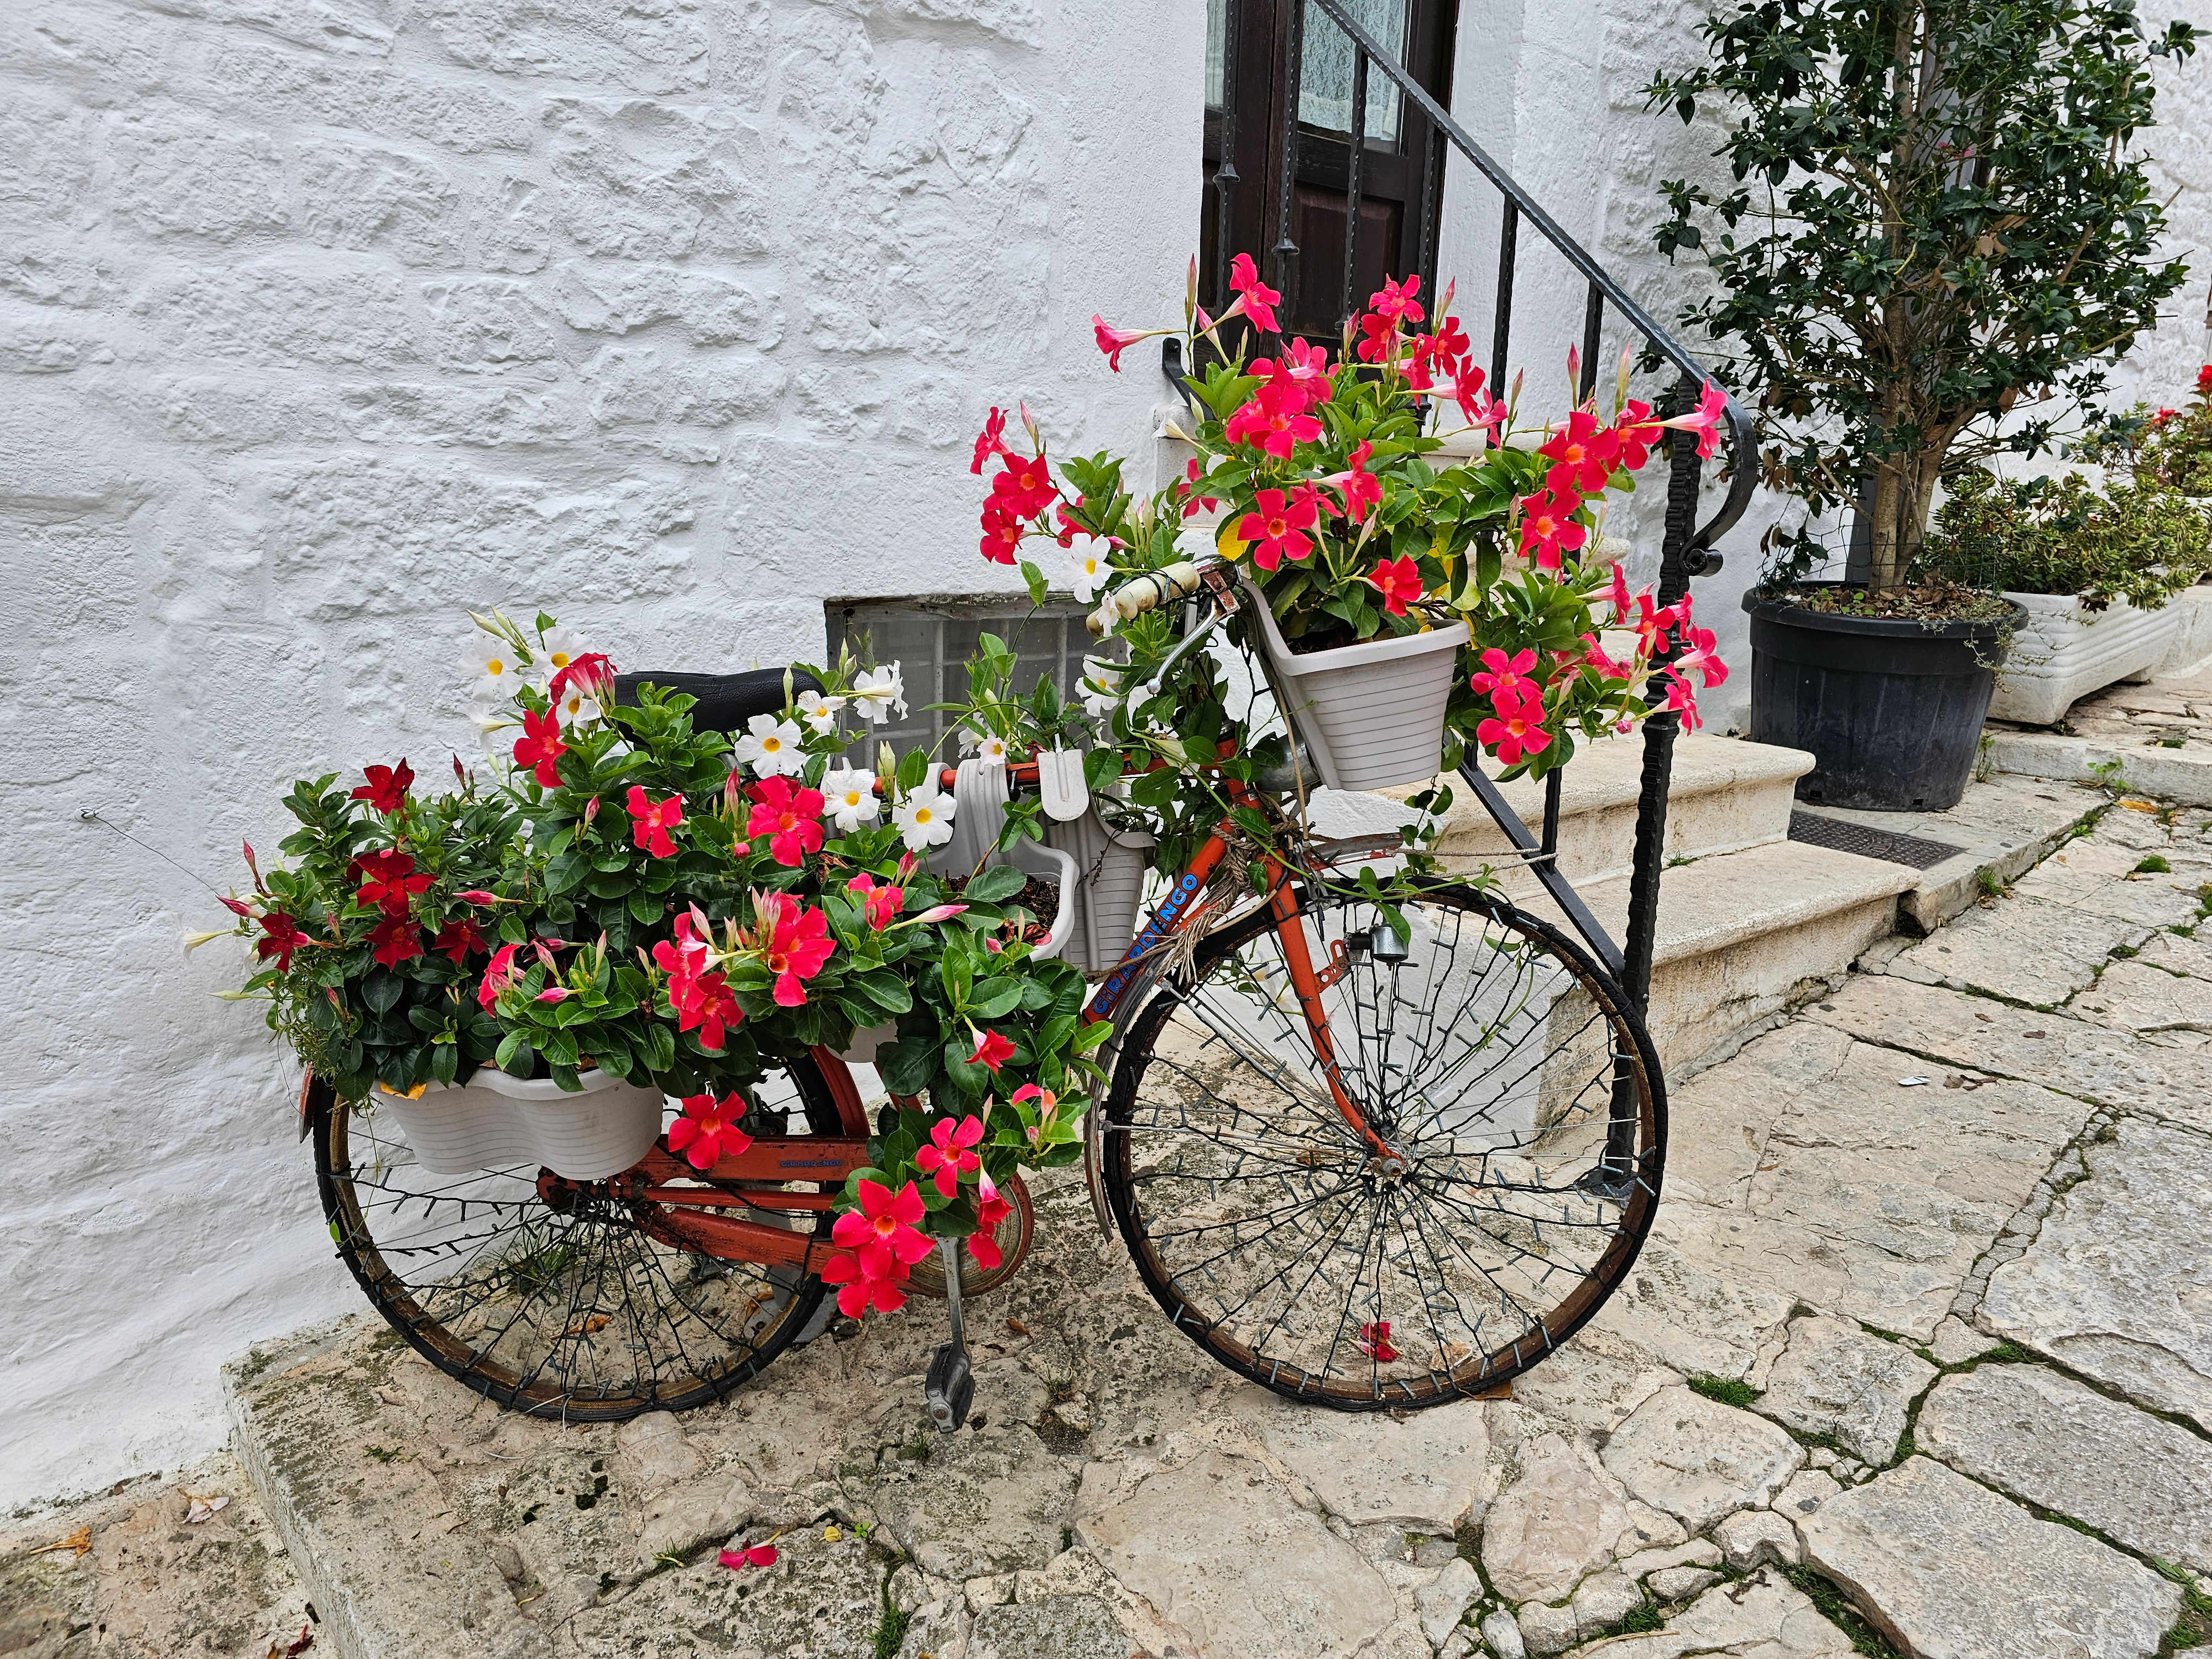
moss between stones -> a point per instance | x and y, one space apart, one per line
1864 1637
1728 1390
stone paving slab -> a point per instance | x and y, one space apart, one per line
2113 1068
2025 949
2115 1285
1947 1569
2144 1482
1836 1380
2137 997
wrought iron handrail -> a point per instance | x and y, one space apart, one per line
1685 550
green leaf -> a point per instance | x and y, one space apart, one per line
905 1068
1034 578
886 990
995 883
1101 767
381 989
997 997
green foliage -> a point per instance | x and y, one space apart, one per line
1938 223
1728 1390
2066 536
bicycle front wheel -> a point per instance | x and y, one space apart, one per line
1520 1101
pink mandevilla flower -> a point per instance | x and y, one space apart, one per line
881 903
950 1152
652 820
708 1131
1504 675
1518 729
790 816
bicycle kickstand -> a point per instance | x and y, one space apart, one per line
950 1387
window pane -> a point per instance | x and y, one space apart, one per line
1324 76
1217 48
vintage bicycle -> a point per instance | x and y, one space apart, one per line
1363 1169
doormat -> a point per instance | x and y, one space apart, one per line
1869 842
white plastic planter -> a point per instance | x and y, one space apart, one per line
1371 714
2067 651
1110 870
1048 863
495 1120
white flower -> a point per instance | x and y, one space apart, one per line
991 751
498 672
879 693
1101 675
1087 555
850 798
576 708
820 712
559 646
772 747
924 817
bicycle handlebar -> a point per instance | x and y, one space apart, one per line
1132 598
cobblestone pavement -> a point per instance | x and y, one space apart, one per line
1918 1357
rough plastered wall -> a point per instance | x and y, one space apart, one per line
1553 93
323 319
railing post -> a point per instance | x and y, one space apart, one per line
1225 176
1352 186
1660 729
1286 247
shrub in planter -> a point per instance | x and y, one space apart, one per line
2093 569
1939 223
2168 447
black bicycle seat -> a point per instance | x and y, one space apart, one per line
726 701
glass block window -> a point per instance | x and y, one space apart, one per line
932 639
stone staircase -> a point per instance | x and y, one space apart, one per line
1749 920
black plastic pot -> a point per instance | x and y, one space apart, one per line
1892 711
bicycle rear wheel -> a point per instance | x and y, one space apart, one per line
576 1311
1520 1097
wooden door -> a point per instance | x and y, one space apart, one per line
1297 233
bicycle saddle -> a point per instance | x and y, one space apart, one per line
726 701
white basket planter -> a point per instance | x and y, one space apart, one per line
1111 869
2067 651
1048 863
1371 714
495 1120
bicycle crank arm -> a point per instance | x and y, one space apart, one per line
950 1387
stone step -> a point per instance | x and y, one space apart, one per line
1726 795
1744 935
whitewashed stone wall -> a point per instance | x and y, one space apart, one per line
324 319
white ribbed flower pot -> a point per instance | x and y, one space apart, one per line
2067 651
494 1122
1110 870
1371 714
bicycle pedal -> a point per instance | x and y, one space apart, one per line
950 1387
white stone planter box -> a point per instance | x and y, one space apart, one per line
1371 714
495 1120
2067 650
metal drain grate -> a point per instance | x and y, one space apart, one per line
1869 842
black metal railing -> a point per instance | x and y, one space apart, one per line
1685 548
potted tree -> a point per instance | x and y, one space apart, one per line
2092 569
1938 239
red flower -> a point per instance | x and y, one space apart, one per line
759 1555
650 821
1638 432
1274 419
2204 380
283 937
1397 302
1002 532
1503 677
1682 700
703 1001
882 902
1374 1342
459 940
396 940
990 442
1583 454
990 1211
1519 727
876 1246
498 975
1026 487
1256 299
540 746
1547 527
1700 659
1273 529
789 815
792 944
590 673
708 1131
1194 475
1362 490
1114 341
387 787
1381 337
949 1152
991 1050
1398 582
388 881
